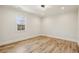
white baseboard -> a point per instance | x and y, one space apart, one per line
60 37
53 36
12 41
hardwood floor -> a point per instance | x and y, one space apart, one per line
41 44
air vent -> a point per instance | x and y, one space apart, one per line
43 6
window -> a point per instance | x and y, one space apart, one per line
20 23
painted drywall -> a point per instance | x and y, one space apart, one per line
63 25
78 25
9 31
0 25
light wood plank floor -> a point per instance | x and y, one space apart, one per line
41 44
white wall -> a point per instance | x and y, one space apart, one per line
0 25
63 26
8 24
78 26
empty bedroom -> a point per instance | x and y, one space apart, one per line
39 28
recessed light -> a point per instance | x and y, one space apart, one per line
62 8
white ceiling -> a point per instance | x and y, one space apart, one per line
48 10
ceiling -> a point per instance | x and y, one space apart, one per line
48 10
